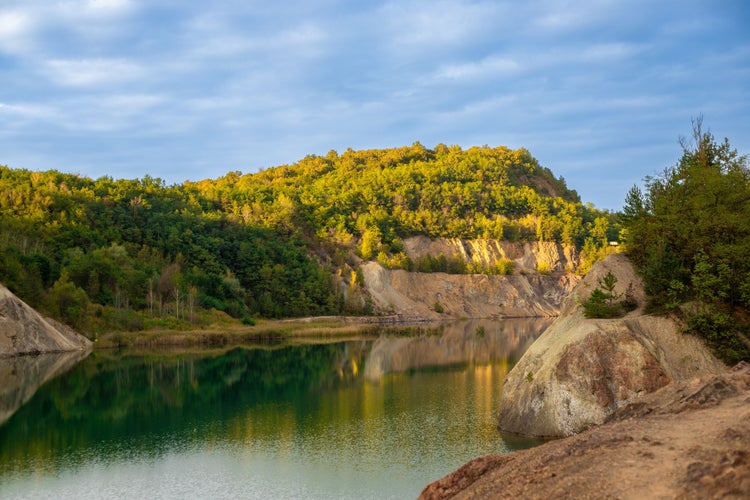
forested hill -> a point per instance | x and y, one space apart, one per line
107 253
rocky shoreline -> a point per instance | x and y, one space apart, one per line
647 410
687 440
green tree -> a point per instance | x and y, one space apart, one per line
688 233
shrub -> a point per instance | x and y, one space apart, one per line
543 268
605 303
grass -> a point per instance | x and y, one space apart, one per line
238 333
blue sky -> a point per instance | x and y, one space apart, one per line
598 91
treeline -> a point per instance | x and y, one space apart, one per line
689 234
93 253
128 254
372 199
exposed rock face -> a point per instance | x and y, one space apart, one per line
525 293
526 256
25 331
465 295
579 371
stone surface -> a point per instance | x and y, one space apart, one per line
25 331
579 371
525 293
690 439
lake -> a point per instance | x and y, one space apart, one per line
365 418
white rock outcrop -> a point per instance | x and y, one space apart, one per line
24 331
581 370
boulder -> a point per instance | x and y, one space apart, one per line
24 331
579 371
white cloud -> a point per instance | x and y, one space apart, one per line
92 72
16 29
431 25
488 67
27 111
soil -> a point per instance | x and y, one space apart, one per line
690 439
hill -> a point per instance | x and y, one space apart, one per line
288 241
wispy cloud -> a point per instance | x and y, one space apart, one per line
101 85
489 67
16 28
92 72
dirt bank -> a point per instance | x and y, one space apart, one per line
688 440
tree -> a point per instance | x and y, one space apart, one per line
688 233
68 302
604 301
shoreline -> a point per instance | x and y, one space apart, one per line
270 331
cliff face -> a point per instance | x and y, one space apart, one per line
526 293
25 331
526 256
579 371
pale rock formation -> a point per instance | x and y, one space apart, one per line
25 331
581 370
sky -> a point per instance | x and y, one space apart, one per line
599 91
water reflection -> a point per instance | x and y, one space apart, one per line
473 341
21 376
284 421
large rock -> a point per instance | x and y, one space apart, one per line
689 439
581 370
25 331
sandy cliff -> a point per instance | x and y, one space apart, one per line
25 331
525 293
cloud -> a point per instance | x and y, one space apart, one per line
16 29
430 25
18 114
92 72
227 84
489 67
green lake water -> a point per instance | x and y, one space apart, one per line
375 418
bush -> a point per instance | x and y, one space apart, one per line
543 268
605 304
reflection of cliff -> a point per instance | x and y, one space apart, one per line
474 341
21 376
